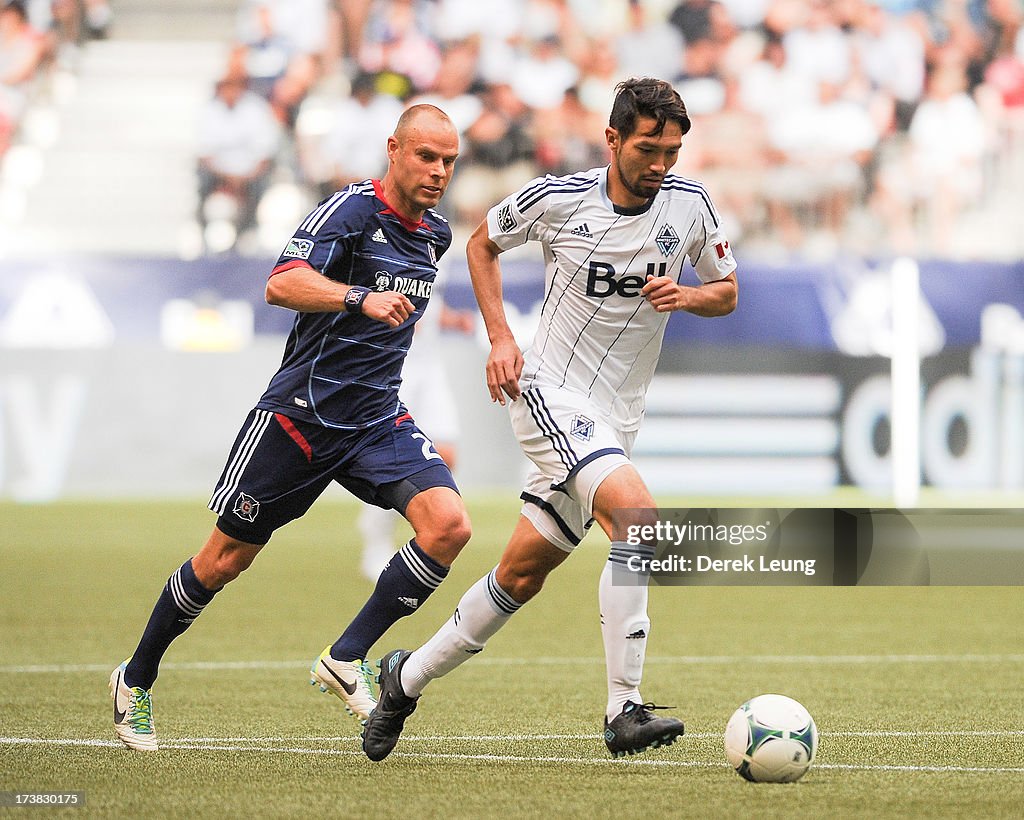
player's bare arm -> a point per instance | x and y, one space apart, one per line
305 289
505 362
710 299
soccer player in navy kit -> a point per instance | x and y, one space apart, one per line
359 272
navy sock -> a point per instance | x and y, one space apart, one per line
180 603
404 585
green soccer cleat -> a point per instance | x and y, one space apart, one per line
352 681
133 713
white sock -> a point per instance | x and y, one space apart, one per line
483 610
622 595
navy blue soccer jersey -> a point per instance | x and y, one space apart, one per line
343 369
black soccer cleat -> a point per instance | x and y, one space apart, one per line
384 726
636 729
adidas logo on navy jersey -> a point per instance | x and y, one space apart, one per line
412 603
378 236
582 230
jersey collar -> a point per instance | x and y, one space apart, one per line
408 224
621 211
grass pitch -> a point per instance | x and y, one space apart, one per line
916 691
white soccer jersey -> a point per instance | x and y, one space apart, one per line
597 335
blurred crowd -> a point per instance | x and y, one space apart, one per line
36 35
869 125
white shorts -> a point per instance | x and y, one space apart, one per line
573 450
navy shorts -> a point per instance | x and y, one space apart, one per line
279 466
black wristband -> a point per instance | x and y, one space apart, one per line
354 299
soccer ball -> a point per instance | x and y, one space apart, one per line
771 739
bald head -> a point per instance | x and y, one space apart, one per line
421 159
424 118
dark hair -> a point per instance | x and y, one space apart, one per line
646 97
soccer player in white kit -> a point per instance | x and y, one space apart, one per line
615 241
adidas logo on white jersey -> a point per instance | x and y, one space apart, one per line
378 236
582 230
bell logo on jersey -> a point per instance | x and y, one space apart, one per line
601 281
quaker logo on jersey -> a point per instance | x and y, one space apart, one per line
581 427
246 507
298 248
506 219
412 287
667 240
383 281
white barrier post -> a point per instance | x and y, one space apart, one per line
906 383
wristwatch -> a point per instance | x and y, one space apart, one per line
354 299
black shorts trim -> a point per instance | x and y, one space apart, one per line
530 498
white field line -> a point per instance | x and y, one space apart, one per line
595 736
697 660
498 758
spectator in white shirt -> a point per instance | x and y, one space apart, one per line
238 142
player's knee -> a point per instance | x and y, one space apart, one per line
520 583
218 564
445 536
227 568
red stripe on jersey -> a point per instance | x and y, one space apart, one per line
297 437
291 265
407 223
403 417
